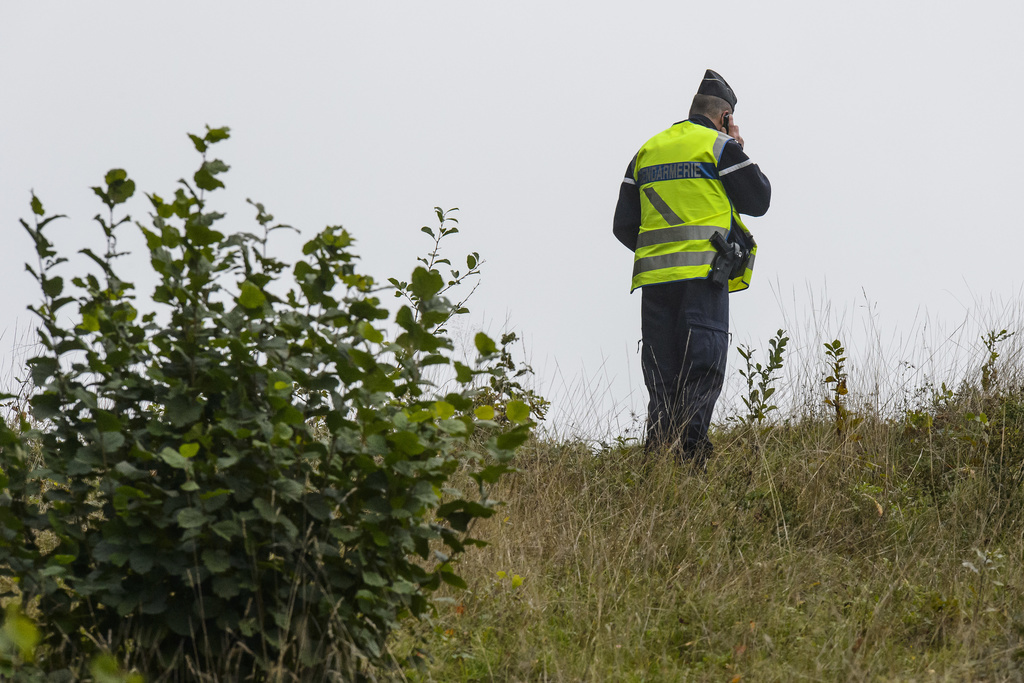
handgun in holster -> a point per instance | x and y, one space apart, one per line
729 263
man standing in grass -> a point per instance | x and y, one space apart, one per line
679 212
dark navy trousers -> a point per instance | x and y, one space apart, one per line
685 344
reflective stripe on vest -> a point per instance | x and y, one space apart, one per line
682 203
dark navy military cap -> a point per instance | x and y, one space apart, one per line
714 84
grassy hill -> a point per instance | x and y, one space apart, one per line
865 548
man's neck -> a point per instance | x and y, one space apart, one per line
703 121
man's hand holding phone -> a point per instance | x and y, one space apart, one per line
732 129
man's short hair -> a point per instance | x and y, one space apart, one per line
709 106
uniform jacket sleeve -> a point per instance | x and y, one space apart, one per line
626 224
747 187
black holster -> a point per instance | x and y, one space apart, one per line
729 264
725 261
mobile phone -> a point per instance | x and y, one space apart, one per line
726 123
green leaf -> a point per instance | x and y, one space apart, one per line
210 495
227 529
443 410
420 416
368 332
517 411
425 283
484 413
374 579
454 427
204 177
19 630
37 206
484 344
182 410
491 474
289 489
175 459
188 450
191 518
53 286
130 471
42 369
513 439
217 561
119 187
111 441
266 510
217 134
407 442
115 175
453 579
317 506
226 587
106 421
105 669
251 296
463 373
141 561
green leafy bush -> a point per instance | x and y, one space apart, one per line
760 378
253 477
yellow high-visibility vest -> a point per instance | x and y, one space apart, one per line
682 203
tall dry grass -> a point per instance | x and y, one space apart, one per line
892 549
798 557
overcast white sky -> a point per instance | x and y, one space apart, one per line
886 128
